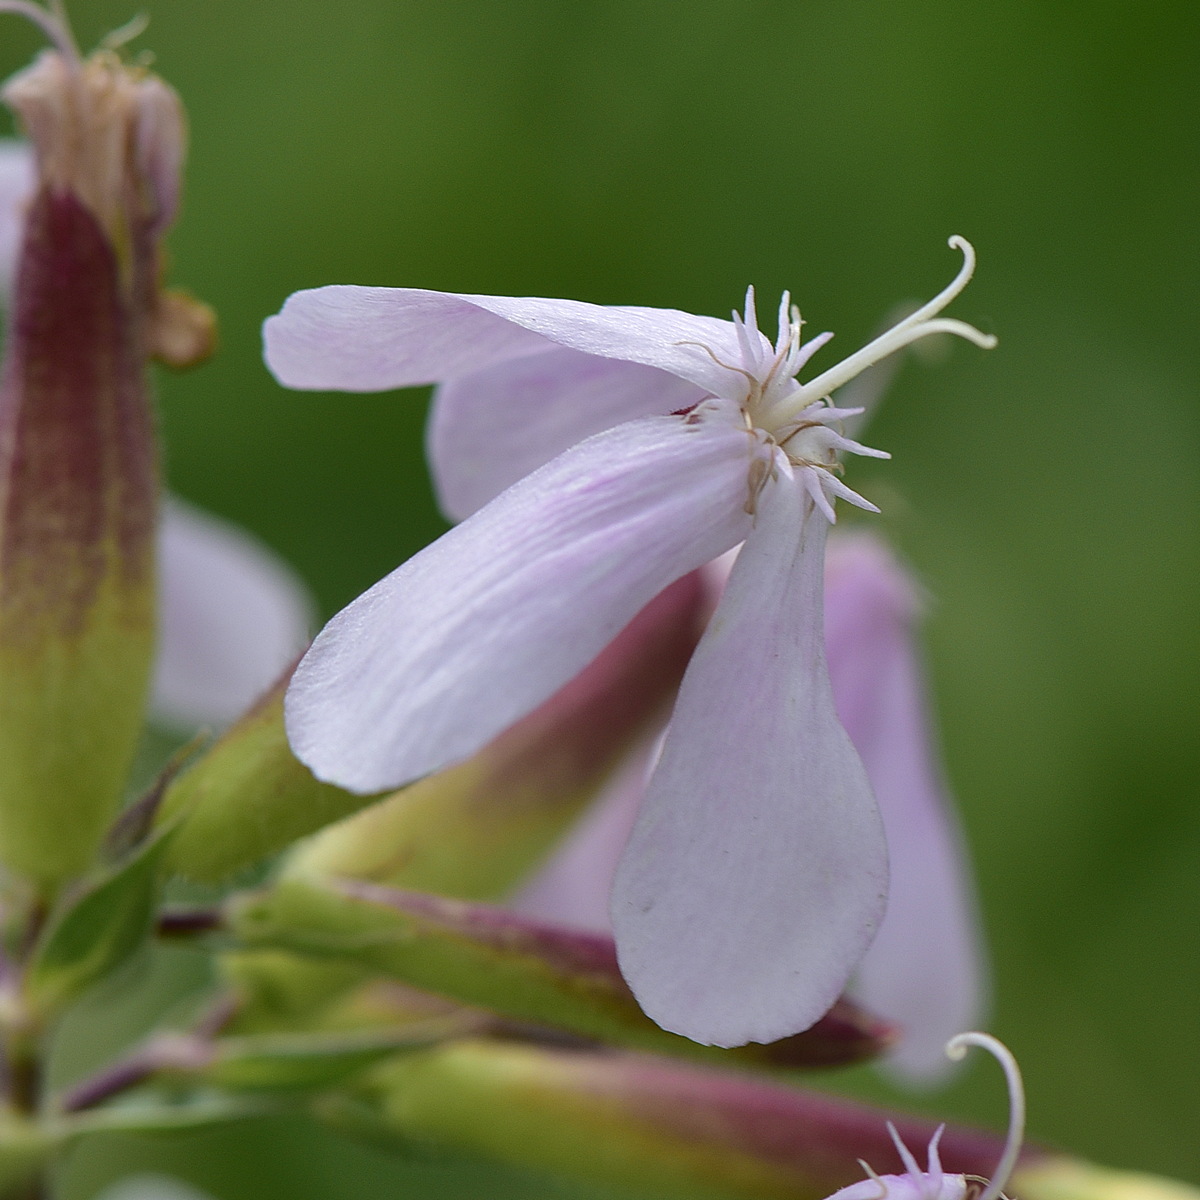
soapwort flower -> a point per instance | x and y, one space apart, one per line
756 874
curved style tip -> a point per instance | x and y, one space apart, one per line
956 1049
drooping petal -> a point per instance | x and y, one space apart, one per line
925 968
494 426
458 643
17 181
233 615
364 339
756 874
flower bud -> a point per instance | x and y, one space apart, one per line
1062 1178
636 1122
78 456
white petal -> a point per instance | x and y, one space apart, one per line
362 339
17 181
494 426
924 970
233 616
756 873
476 630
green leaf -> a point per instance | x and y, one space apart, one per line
97 928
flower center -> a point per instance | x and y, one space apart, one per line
799 418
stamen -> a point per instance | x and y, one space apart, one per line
750 313
786 332
853 447
934 1165
839 489
906 1155
956 1048
750 354
866 1166
812 485
52 23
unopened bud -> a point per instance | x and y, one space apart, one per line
79 486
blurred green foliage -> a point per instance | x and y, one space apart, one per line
1048 493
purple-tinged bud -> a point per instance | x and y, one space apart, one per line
79 479
637 1121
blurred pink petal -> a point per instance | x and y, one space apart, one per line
925 968
475 631
233 616
17 180
575 886
756 874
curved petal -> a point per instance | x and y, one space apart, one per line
364 339
925 968
757 871
494 426
475 631
17 181
233 616
370 339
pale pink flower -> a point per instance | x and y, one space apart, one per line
756 874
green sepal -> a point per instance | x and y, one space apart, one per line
25 1148
247 798
1061 1178
78 514
520 969
149 1113
307 1062
644 1125
278 991
96 928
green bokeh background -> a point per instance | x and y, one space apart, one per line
668 154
